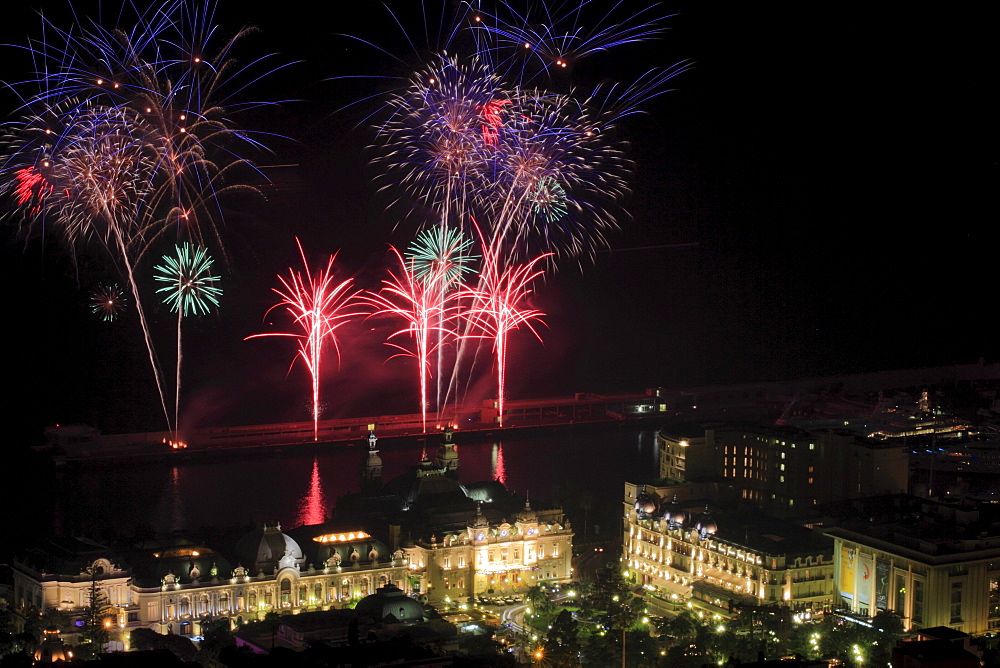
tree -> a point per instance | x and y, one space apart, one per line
218 635
146 639
98 620
538 598
562 644
682 629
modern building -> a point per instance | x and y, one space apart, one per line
785 470
685 553
934 563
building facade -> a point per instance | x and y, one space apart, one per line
442 540
494 557
782 469
685 555
176 589
934 564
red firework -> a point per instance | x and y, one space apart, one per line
496 307
318 305
424 306
31 185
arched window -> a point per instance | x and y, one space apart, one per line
184 607
286 593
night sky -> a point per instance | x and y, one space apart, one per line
815 196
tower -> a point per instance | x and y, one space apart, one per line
447 455
371 468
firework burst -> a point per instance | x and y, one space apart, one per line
416 294
318 305
108 302
497 306
190 290
441 256
167 72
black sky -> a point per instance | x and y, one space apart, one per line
829 174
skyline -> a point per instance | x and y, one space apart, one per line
778 230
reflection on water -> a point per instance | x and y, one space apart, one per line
312 508
299 485
499 469
170 510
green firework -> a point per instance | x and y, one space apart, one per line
549 198
440 254
107 302
190 289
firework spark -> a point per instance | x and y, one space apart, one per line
190 290
108 302
441 256
318 305
496 307
557 35
417 295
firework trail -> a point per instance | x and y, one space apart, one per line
118 128
417 294
556 35
107 302
167 71
318 305
496 307
190 290
444 250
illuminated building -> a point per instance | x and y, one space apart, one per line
494 556
933 563
424 532
172 589
783 469
685 554
462 540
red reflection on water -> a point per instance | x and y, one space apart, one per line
312 508
499 470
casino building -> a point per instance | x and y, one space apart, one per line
424 532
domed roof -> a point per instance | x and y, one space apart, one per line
428 488
265 547
674 513
527 515
646 503
390 601
182 563
705 524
